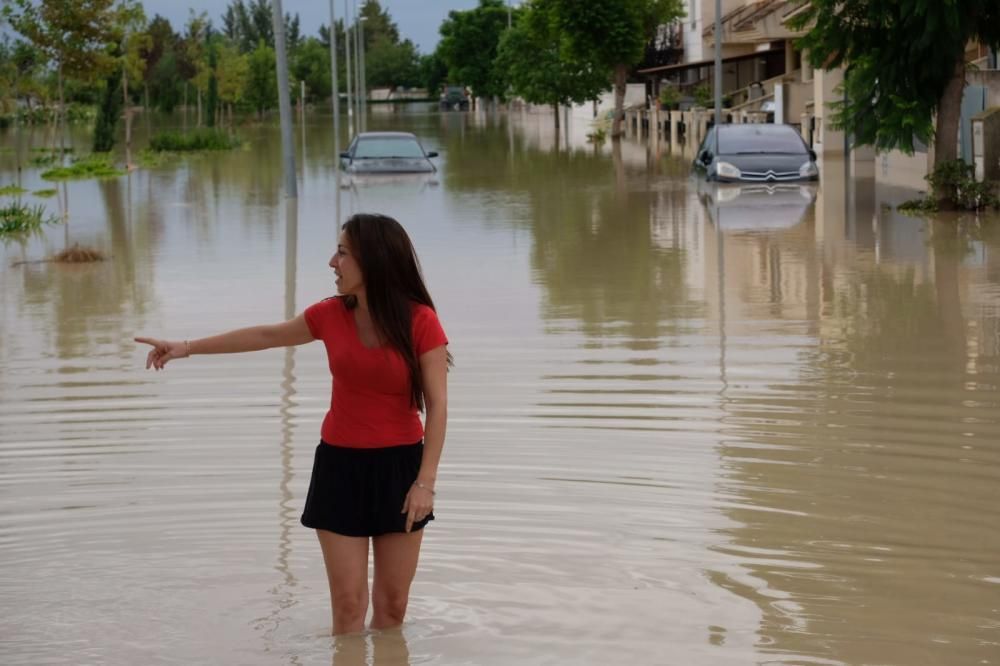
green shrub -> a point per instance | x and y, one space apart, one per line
96 165
955 182
703 96
11 190
45 193
201 139
669 98
17 218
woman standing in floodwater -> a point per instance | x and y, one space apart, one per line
376 464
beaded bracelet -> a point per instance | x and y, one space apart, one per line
187 347
423 487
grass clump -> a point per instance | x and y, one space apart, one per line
46 193
11 190
79 255
18 218
201 139
96 165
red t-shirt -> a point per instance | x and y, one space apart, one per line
370 402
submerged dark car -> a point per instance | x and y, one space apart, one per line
387 153
755 153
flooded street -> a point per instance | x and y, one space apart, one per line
686 426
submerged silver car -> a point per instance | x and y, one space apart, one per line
387 153
755 153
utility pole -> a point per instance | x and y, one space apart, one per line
718 63
284 102
336 89
364 81
358 120
347 63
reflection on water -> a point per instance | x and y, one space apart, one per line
734 425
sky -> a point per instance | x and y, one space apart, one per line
418 20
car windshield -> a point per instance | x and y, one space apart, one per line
382 147
756 140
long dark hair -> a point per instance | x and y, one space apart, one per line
393 283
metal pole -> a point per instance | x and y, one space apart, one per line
718 63
336 90
364 80
284 102
357 71
347 64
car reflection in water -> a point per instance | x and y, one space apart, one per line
756 207
386 157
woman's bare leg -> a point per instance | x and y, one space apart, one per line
396 558
346 560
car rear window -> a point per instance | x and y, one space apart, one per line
387 147
746 139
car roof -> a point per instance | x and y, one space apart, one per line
757 128
387 135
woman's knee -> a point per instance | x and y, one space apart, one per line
350 606
390 604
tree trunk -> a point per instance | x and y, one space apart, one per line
199 108
949 113
61 120
128 120
555 112
621 78
185 106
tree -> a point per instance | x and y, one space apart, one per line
73 34
165 82
232 72
162 38
247 23
468 46
262 85
613 34
196 51
108 111
535 55
311 63
131 42
904 63
433 72
389 65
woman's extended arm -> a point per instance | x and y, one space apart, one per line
292 332
434 372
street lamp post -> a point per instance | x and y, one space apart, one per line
718 63
336 89
363 85
347 67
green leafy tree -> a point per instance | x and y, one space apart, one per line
433 72
196 51
232 72
247 23
904 64
311 63
613 34
131 42
162 38
535 55
468 46
72 34
262 84
108 111
165 82
212 101
391 65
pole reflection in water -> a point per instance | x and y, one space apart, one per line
286 508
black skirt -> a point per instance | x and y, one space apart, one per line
360 492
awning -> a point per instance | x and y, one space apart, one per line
682 66
744 17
